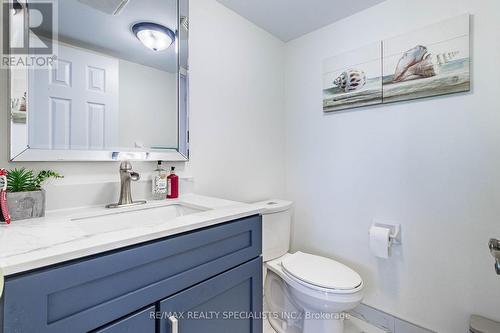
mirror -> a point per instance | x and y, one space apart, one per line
94 80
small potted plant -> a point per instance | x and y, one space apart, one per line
25 196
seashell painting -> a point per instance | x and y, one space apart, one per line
419 63
351 80
415 63
424 68
431 61
409 59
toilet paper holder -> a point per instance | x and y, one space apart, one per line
395 230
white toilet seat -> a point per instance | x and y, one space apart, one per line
321 274
323 293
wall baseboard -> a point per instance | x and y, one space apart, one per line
386 321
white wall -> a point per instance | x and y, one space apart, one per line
432 165
237 104
236 119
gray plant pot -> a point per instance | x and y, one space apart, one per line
26 205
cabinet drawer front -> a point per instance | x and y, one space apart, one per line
89 293
142 322
229 302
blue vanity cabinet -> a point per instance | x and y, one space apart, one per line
141 322
230 302
123 290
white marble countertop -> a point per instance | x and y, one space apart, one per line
71 234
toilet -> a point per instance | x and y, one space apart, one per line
304 293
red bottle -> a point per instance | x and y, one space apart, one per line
172 185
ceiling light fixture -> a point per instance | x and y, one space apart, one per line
154 36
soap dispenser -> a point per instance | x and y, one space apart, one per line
159 182
173 185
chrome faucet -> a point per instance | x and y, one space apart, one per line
494 246
126 177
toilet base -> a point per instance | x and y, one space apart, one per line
282 327
309 326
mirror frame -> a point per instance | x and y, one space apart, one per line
168 155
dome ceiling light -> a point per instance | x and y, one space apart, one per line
154 36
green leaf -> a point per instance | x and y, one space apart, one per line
44 175
22 180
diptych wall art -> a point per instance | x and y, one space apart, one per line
429 62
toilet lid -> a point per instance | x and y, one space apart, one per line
321 272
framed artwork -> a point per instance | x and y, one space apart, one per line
428 62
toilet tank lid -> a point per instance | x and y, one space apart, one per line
273 206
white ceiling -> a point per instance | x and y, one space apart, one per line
89 28
289 19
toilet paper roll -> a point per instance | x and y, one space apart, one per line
379 241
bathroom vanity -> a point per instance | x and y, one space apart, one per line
196 270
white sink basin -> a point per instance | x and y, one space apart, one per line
126 218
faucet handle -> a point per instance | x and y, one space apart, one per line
125 166
134 176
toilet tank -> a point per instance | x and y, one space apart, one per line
276 224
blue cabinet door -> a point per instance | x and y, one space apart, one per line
141 322
229 302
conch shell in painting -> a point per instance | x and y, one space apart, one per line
424 68
416 62
351 80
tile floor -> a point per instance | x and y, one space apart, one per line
353 325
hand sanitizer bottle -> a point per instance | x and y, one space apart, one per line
160 183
